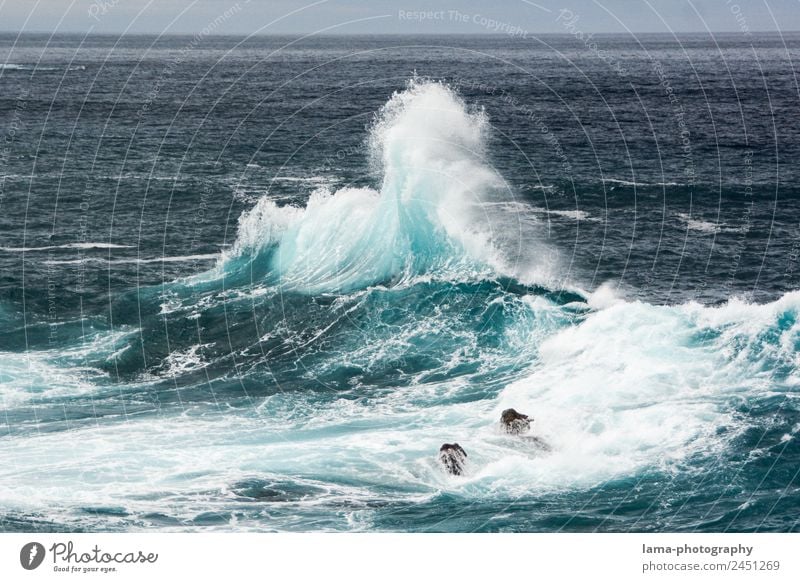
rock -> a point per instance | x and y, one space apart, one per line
452 457
514 422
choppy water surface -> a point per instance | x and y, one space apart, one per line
255 285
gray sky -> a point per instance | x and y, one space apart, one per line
396 16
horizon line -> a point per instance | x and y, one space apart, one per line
346 34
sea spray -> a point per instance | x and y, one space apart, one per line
245 399
638 387
427 218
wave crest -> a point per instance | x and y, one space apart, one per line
427 217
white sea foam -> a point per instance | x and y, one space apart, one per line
182 362
633 389
628 392
604 296
638 387
578 215
54 373
37 67
81 245
134 260
302 179
428 214
33 375
705 226
623 182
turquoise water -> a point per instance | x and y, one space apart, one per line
234 299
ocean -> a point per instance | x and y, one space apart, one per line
253 284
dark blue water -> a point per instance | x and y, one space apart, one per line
254 284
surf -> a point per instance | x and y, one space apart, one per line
434 213
340 342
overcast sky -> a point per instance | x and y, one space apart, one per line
396 16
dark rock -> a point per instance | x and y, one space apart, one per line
452 457
514 422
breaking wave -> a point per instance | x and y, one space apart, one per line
336 345
429 216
